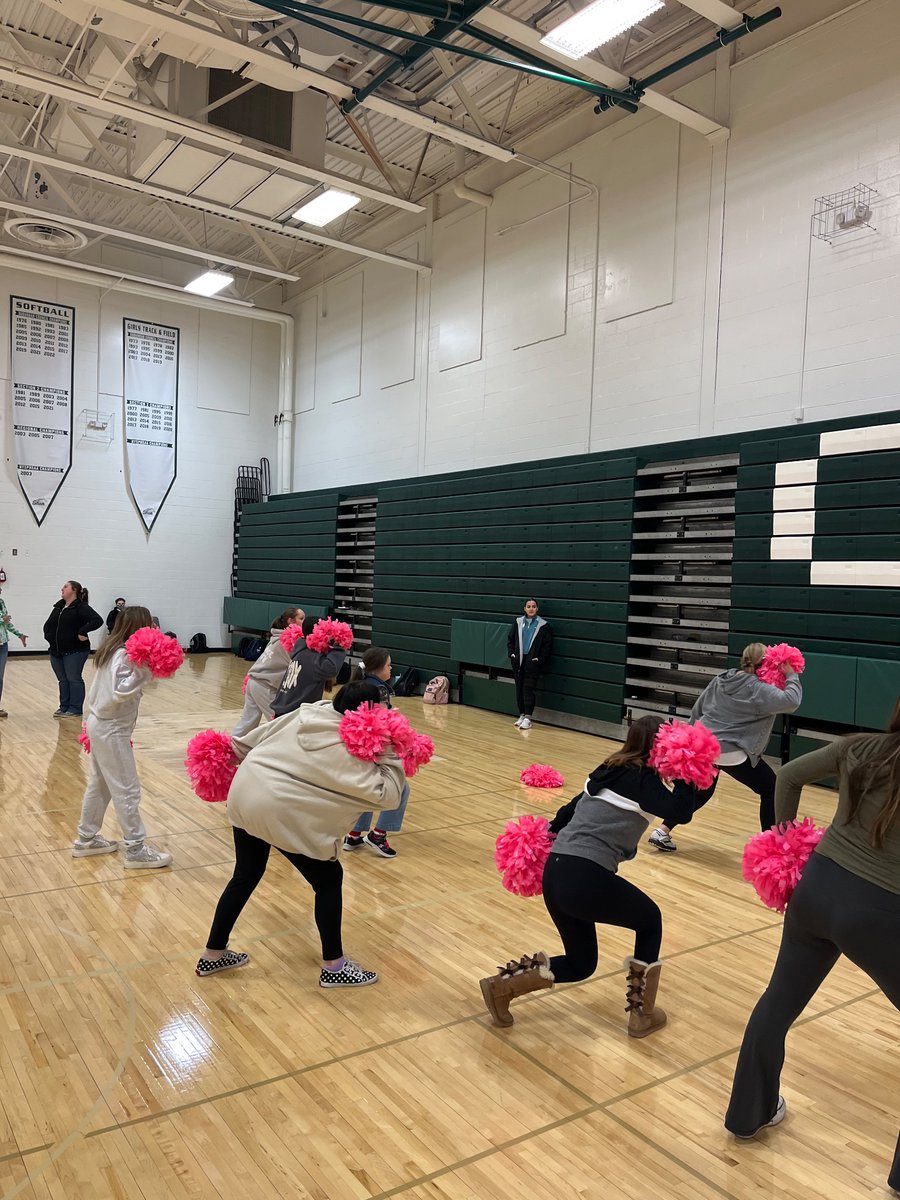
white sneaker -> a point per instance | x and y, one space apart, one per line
146 858
97 845
525 723
780 1114
519 722
662 841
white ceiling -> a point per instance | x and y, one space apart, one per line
93 106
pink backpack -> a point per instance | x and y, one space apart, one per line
438 691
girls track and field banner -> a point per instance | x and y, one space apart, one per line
42 365
151 413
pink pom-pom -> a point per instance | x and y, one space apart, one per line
769 670
401 733
290 637
151 648
211 765
541 776
686 752
365 731
244 685
774 860
327 633
521 851
418 755
84 739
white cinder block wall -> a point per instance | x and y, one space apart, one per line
510 351
228 392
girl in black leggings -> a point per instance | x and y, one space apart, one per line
594 833
848 902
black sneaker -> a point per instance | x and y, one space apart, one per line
228 961
353 841
351 974
379 843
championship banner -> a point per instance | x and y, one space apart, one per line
151 413
42 365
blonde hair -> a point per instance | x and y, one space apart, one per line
752 656
129 621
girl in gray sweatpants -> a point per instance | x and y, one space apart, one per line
113 702
265 676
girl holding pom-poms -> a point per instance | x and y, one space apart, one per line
311 666
297 789
376 668
847 902
740 709
594 833
121 672
265 676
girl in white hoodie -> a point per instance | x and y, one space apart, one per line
266 674
113 702
298 789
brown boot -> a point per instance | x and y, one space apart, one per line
643 982
529 974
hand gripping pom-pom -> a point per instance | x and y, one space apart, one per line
685 752
774 860
84 739
769 670
541 776
328 633
152 649
365 731
418 755
522 849
211 765
290 637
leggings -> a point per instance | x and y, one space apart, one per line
759 779
526 684
832 912
325 877
579 894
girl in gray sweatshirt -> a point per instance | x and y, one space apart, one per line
740 710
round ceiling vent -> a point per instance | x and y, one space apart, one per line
47 235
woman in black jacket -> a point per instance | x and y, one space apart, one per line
595 832
529 645
67 632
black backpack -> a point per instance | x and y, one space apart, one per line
407 683
197 644
250 648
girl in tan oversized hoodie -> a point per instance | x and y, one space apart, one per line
299 789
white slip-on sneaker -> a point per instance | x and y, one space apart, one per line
97 845
525 723
146 858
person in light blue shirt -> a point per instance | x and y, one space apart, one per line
530 643
6 628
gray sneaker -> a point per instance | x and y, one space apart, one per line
97 845
780 1114
662 841
146 858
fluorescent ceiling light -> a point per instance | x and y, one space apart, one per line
210 283
326 207
598 24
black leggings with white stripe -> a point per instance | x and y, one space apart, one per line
579 895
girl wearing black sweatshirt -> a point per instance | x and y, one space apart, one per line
596 831
67 632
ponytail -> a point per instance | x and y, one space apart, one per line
81 593
752 656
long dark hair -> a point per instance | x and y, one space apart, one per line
638 744
81 593
286 617
352 695
373 660
129 621
883 763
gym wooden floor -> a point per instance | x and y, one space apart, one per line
123 1075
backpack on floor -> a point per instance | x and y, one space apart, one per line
437 691
407 683
197 644
250 648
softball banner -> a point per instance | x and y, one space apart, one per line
42 337
151 413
